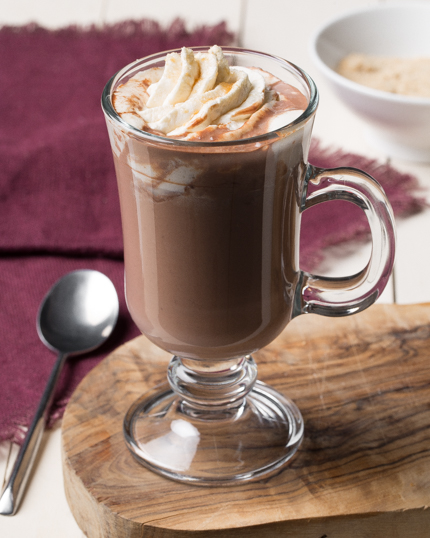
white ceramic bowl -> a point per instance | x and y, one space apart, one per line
398 125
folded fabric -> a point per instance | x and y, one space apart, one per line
58 197
57 171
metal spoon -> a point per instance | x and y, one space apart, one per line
77 315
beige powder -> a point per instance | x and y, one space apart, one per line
406 76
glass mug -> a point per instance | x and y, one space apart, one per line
211 247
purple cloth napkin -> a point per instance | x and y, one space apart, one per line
58 197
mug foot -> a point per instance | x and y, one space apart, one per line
214 447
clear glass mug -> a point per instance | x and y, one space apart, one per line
211 246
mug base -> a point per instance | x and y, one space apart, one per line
214 447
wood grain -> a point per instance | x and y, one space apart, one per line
363 386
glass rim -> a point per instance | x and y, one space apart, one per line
111 113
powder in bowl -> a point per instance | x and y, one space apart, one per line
405 76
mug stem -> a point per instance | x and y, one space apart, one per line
212 388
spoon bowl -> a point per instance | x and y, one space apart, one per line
76 316
78 313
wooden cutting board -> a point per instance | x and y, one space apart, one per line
363 470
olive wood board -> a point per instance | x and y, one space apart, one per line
363 470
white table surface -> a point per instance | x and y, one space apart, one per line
274 26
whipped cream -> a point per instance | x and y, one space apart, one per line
198 96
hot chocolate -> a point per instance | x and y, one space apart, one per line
213 174
210 230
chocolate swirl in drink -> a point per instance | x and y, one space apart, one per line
210 255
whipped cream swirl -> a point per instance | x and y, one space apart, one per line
198 92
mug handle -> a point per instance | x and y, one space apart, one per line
351 294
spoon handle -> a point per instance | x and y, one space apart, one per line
12 494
